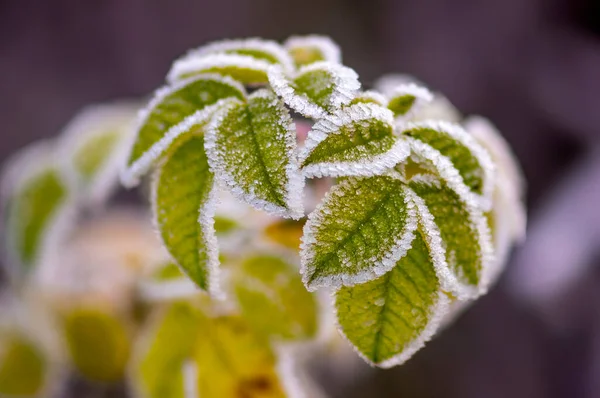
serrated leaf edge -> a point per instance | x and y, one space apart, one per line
444 165
130 176
295 181
385 263
332 124
345 82
439 310
449 281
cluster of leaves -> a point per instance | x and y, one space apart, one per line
419 216
400 237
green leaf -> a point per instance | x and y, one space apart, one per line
457 234
93 147
182 108
405 99
232 361
184 206
94 153
358 232
243 68
390 318
369 97
273 299
463 164
265 50
357 140
23 367
166 346
317 89
38 210
98 343
252 149
313 48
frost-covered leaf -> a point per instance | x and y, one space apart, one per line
252 149
92 148
508 217
406 99
273 299
369 97
98 343
312 48
23 366
440 108
317 89
243 68
390 318
261 49
166 346
356 140
463 164
509 177
232 361
32 212
37 202
184 208
358 232
457 235
181 108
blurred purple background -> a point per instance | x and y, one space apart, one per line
531 66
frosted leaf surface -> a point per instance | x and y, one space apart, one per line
313 48
316 89
167 343
252 150
358 232
407 99
457 235
273 299
370 97
355 140
390 318
464 164
243 68
171 106
265 50
233 360
184 206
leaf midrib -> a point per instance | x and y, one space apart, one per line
277 197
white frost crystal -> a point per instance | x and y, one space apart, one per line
341 86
